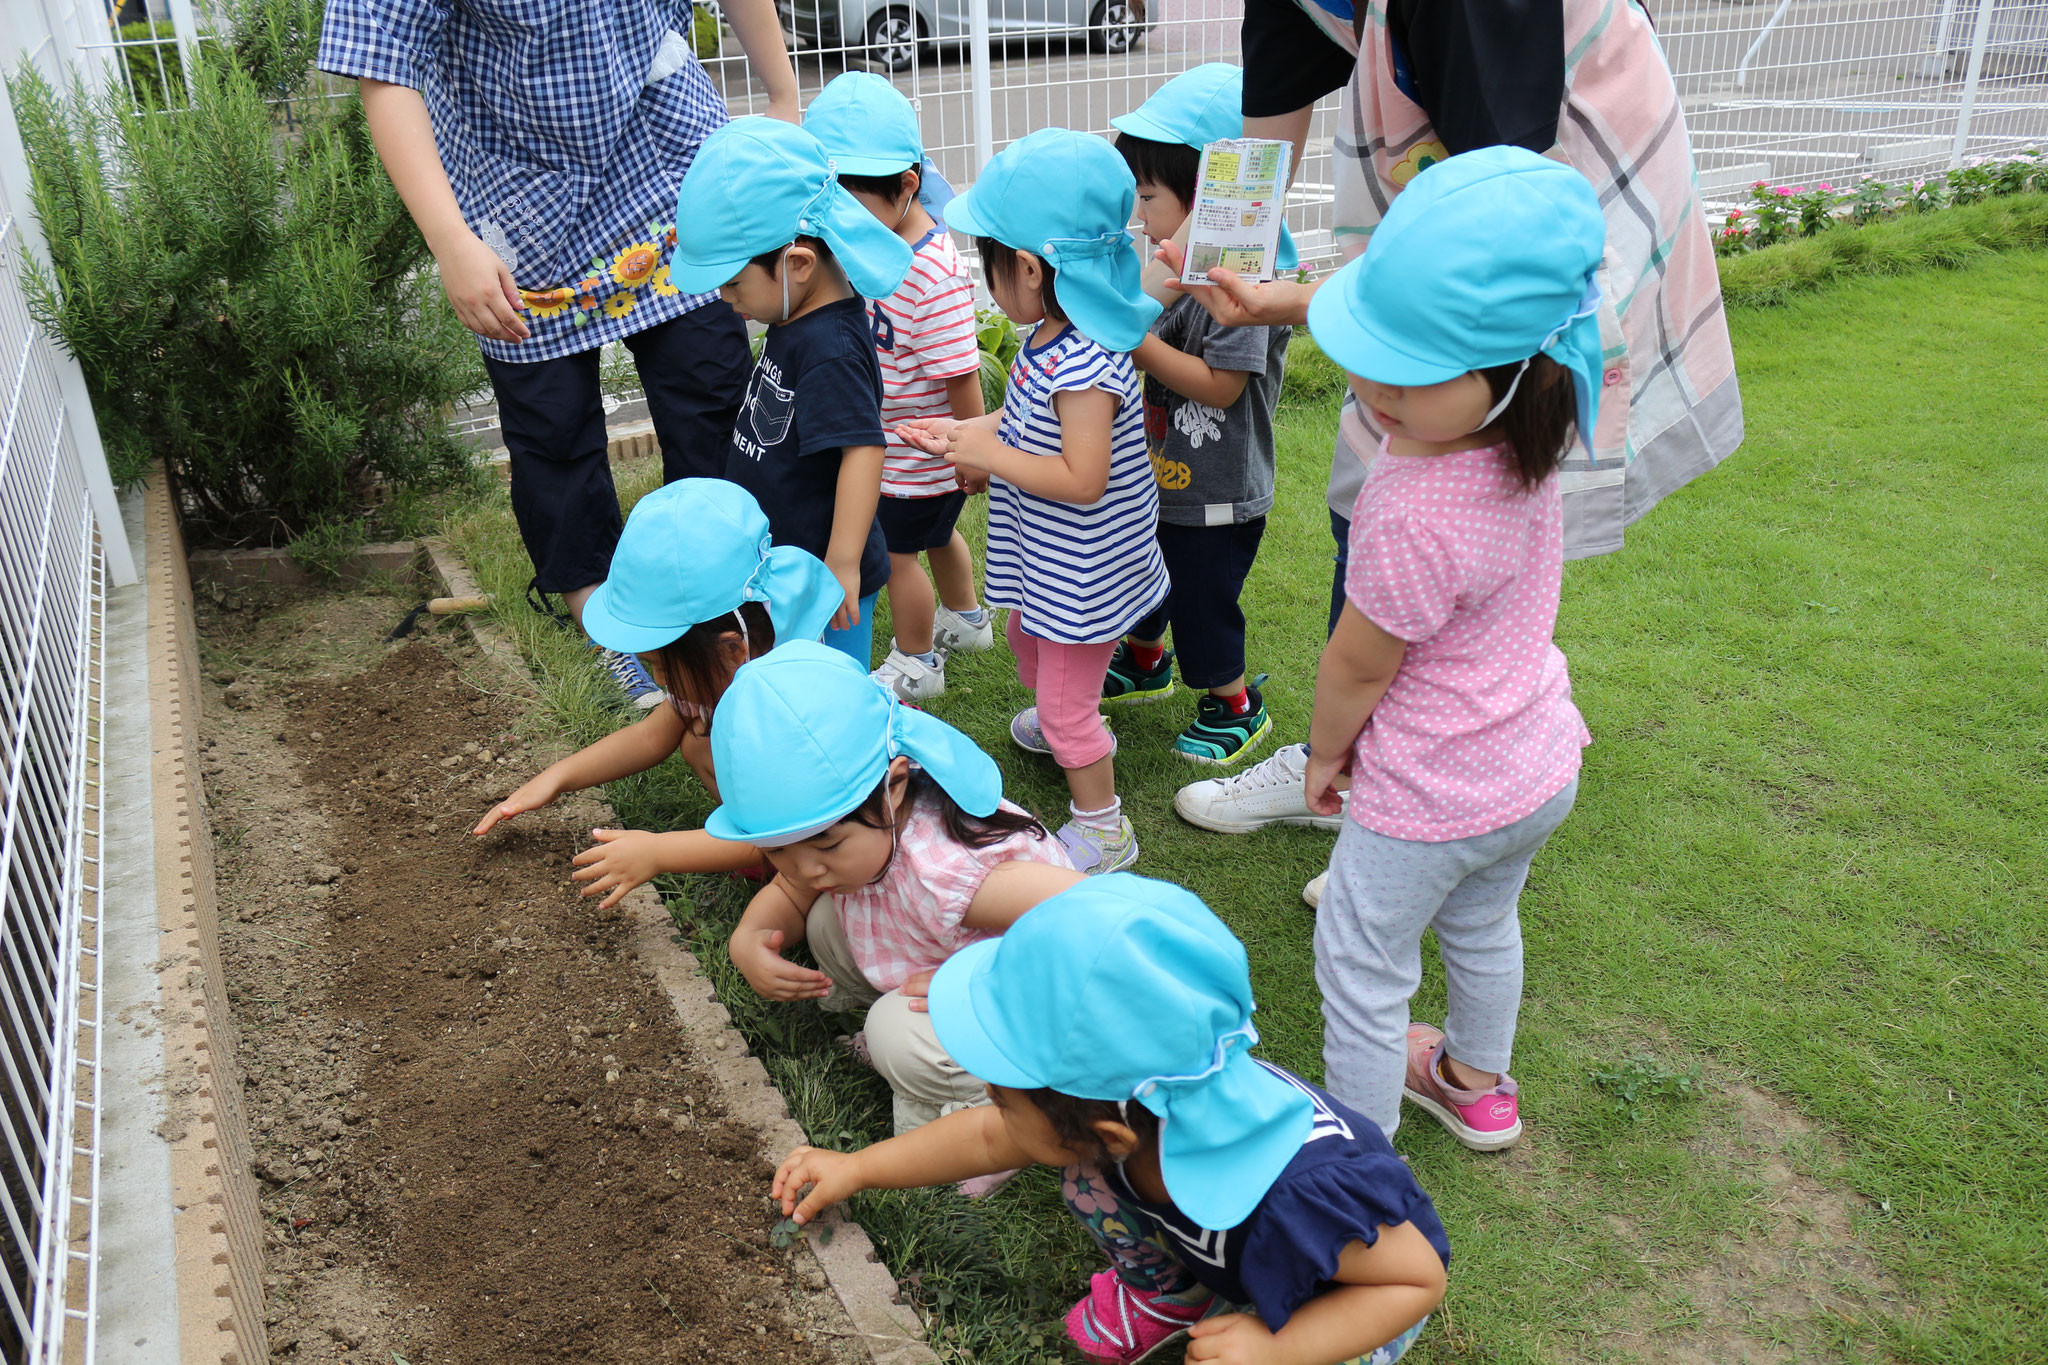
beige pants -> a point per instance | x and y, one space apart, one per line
902 1042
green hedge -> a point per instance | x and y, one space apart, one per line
1942 240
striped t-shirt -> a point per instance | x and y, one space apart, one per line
1080 575
924 335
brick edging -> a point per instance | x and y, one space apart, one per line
886 1329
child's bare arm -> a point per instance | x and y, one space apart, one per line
1189 375
1078 474
1011 888
960 1146
774 920
634 749
853 512
1381 1291
478 284
964 397
1357 667
622 859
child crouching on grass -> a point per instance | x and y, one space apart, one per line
1470 332
1237 1203
1210 391
766 225
1072 507
695 589
893 848
930 355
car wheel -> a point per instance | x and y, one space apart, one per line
1117 25
894 36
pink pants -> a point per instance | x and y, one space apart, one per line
1067 680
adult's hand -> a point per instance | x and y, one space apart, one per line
1235 301
481 289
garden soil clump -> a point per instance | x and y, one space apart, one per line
479 1135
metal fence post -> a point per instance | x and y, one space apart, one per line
1978 38
186 26
982 84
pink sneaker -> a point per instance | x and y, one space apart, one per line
1122 1326
1484 1120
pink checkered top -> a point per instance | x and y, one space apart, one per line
1478 728
909 921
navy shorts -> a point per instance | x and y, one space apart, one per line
1207 566
693 369
914 525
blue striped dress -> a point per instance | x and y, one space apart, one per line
1079 574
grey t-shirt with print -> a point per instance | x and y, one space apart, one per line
1214 466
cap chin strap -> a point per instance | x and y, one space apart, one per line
1494 412
782 269
746 640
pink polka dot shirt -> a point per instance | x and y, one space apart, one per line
1478 728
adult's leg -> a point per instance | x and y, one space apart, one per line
552 418
693 369
1479 933
1340 527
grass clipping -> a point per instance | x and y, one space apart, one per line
1943 240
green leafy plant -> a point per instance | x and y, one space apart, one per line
1771 213
705 37
253 307
1923 196
1816 208
1000 343
1638 1080
324 547
156 69
1870 201
1970 184
788 1232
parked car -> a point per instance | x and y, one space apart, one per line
894 32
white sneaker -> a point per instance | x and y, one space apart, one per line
911 678
1312 894
1268 793
954 633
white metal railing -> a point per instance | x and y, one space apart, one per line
55 567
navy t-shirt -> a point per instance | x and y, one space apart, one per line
1343 1186
815 390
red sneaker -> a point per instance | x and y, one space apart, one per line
1120 1325
1484 1120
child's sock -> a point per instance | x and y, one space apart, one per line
930 658
1241 704
1146 657
1108 820
973 616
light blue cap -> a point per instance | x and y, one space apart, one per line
1123 988
1201 105
1487 258
866 125
1065 197
803 736
692 551
756 185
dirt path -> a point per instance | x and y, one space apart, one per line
478 1134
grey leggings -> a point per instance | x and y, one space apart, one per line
1382 894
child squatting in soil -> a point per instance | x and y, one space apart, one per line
893 849
930 353
696 588
1237 1203
1210 392
771 230
1073 512
1474 341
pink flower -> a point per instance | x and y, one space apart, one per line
1758 185
1826 186
1733 214
1783 191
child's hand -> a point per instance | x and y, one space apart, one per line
927 433
541 790
971 447
831 1176
1324 796
758 955
918 990
620 860
973 482
849 607
1231 1339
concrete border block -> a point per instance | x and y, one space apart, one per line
886 1328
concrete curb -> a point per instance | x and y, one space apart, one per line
887 1330
217 1227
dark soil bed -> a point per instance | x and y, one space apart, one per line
479 1136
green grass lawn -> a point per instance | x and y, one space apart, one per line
1807 865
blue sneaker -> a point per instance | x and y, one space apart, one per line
632 678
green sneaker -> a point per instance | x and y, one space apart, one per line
1126 682
1220 737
